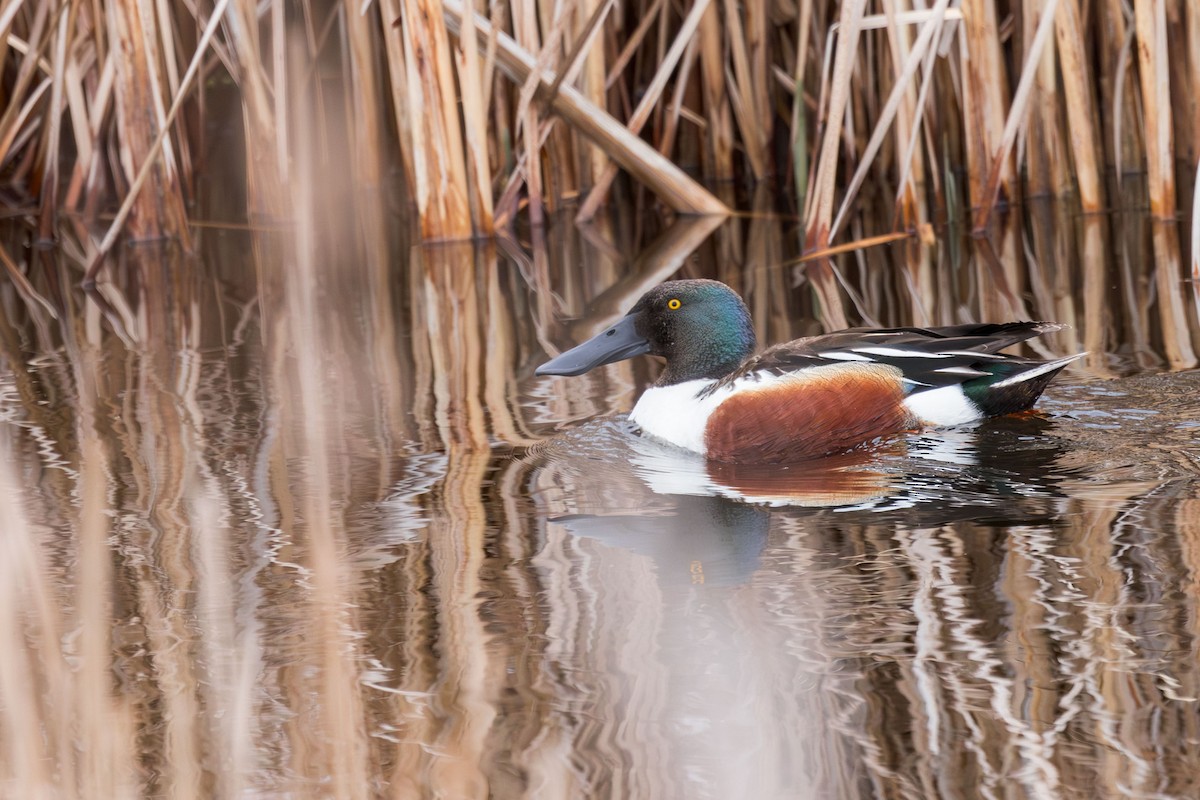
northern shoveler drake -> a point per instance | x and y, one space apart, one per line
809 397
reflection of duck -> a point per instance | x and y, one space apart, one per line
809 397
843 479
704 540
601 482
707 522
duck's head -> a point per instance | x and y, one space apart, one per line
702 329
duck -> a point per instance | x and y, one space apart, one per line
719 397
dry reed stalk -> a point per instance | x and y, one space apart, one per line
984 96
575 64
398 85
474 105
758 54
139 118
50 142
1181 98
509 198
1086 152
673 186
769 293
527 35
440 171
15 112
1192 84
1096 262
899 96
632 42
998 275
674 111
1196 242
592 158
1153 61
1119 118
820 200
134 195
850 247
365 94
1168 270
646 105
799 140
718 114
85 124
997 166
266 195
743 94
1051 273
1045 155
900 44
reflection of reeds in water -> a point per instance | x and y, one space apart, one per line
207 590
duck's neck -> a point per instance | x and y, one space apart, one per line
711 359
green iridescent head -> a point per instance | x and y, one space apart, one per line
701 327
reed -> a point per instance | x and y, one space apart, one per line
474 117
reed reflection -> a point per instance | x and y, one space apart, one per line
275 532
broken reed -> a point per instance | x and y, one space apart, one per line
540 103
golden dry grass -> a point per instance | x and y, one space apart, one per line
475 116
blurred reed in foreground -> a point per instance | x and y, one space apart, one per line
476 111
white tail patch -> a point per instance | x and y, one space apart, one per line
945 406
1040 369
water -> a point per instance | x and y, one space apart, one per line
290 521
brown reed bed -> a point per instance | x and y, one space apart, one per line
475 113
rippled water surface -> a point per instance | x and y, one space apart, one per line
289 521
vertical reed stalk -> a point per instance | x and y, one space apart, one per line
1044 148
985 93
719 164
474 107
650 98
135 104
1195 237
1017 114
1191 14
820 204
1077 89
440 174
1150 17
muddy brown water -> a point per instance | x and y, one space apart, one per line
290 522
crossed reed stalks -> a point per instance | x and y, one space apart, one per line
476 114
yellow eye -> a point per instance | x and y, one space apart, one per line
674 303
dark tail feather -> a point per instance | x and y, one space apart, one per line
1013 385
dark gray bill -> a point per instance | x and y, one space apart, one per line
617 343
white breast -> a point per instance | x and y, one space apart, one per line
676 415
